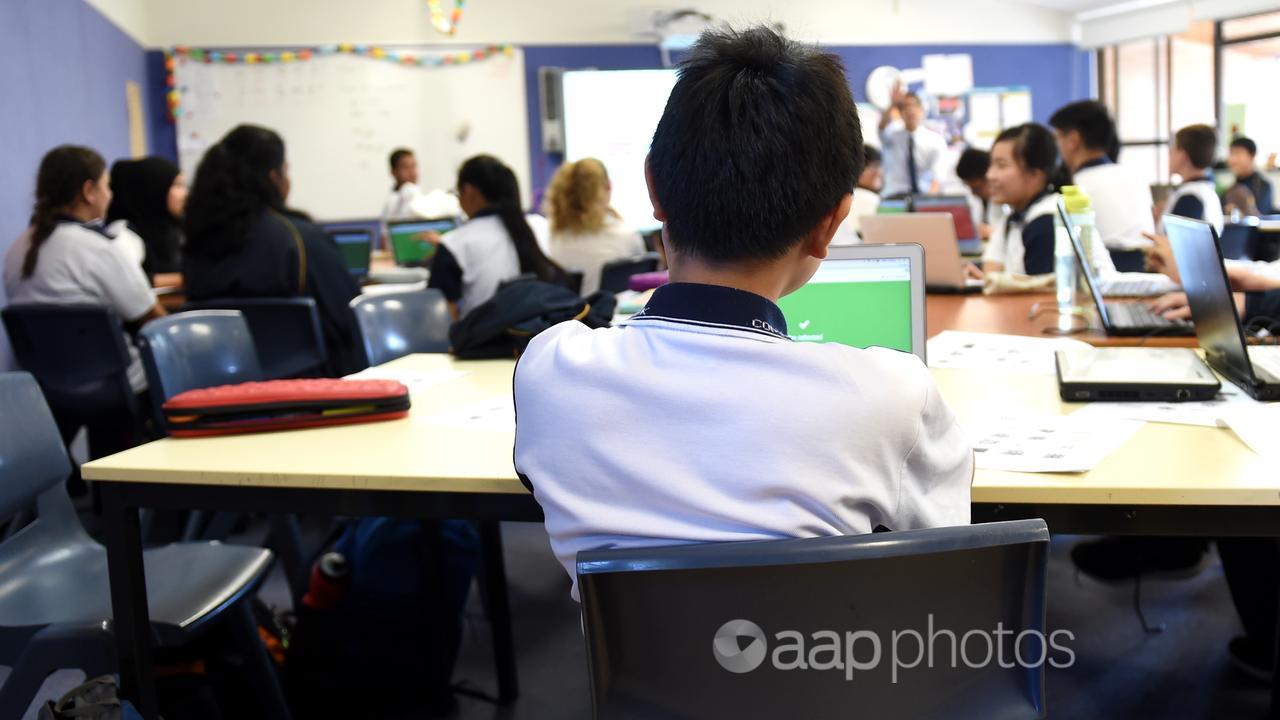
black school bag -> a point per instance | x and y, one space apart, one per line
503 326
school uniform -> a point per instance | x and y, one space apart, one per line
1024 242
699 420
80 264
1121 203
587 252
912 160
1260 187
1197 199
986 211
408 201
474 259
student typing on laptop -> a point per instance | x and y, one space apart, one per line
699 420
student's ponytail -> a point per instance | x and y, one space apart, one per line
497 183
62 175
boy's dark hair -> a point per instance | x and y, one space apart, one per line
1199 142
1246 144
871 155
973 164
399 154
759 140
1089 118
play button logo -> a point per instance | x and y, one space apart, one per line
739 646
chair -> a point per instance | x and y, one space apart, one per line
397 324
1236 240
615 274
55 605
286 332
710 630
78 355
1264 246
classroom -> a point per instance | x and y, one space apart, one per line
639 360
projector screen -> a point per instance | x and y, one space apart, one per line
610 115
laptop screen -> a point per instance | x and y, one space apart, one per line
355 246
957 206
406 245
859 302
892 207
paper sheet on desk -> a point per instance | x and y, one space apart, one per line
1045 444
496 414
1204 414
953 349
415 381
1256 426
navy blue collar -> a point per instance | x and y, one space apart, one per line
1018 217
1096 162
700 304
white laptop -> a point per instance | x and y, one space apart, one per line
936 233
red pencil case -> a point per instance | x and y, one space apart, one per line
283 405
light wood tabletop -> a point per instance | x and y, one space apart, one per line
1011 315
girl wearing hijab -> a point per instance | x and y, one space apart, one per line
149 195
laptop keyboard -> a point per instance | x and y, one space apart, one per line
1136 314
1133 288
1266 358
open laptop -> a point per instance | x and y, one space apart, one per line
863 296
935 232
957 206
1131 319
356 247
408 249
1204 278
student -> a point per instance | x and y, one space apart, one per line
244 242
913 154
733 431
407 200
1241 159
1024 166
1190 157
866 199
1121 201
148 197
586 232
497 243
65 258
972 168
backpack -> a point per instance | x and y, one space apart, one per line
503 326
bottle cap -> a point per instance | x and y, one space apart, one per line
1075 199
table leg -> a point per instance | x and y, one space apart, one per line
494 578
1275 676
130 617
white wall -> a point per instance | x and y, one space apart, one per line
131 16
211 23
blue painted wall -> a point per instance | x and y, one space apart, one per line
63 69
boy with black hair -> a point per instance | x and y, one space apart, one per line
699 420
1190 157
1121 200
971 168
1241 159
408 201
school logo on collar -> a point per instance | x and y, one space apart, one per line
764 325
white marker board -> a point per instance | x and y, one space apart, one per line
342 115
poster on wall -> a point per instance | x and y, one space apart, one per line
991 110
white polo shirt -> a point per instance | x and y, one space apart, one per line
80 264
1196 199
1121 201
930 155
1025 240
699 420
409 202
484 256
865 202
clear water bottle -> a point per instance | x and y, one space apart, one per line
1084 220
1064 268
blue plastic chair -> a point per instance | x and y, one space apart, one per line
286 332
78 355
401 323
693 630
55 603
1236 240
616 275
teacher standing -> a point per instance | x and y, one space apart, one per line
913 154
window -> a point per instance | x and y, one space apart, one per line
1250 66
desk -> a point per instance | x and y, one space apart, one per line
1165 480
1011 315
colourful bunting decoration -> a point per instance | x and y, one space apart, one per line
446 25
179 53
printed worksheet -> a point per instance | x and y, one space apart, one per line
1045 443
956 350
495 414
1255 425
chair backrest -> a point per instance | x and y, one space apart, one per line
77 354
815 627
615 274
397 324
197 349
32 456
286 332
1235 240
1263 246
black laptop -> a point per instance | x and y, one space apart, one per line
1204 278
1133 319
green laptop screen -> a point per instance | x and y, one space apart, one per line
406 245
861 303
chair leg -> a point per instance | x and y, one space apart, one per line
195 521
258 665
220 526
90 649
285 541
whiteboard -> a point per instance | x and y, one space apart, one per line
342 115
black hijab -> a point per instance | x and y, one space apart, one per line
140 190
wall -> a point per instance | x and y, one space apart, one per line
63 67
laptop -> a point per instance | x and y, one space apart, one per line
356 247
958 207
895 206
935 232
1132 319
863 296
408 249
1138 285
1134 374
1204 278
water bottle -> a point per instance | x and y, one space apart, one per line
1064 268
329 580
1084 220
